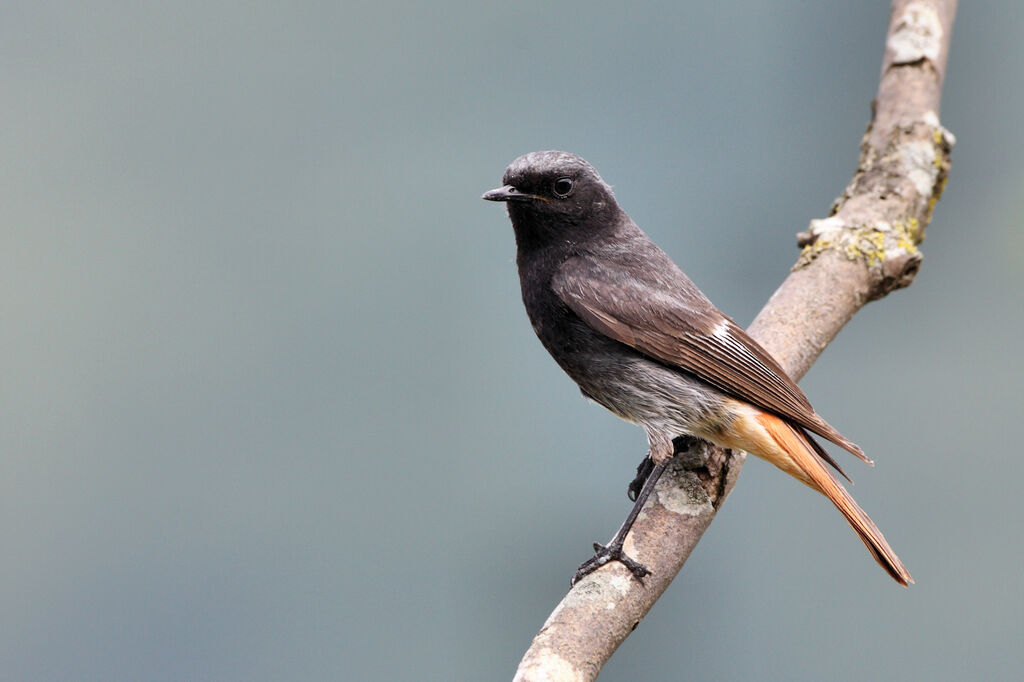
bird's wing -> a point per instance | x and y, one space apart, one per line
662 314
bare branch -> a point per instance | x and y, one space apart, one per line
864 249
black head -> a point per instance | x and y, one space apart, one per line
555 195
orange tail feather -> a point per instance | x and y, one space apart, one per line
816 475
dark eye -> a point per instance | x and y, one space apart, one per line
563 186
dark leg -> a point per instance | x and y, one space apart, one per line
613 550
644 469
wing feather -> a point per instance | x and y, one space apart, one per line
663 315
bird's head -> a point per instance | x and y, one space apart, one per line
555 195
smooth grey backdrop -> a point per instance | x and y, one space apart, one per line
270 407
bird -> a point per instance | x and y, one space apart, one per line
639 338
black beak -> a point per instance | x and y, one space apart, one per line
506 193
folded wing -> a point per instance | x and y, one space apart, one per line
659 312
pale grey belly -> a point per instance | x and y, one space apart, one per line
658 398
665 401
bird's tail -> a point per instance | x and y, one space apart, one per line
807 466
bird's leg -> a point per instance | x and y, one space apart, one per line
680 444
613 550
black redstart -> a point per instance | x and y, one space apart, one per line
642 340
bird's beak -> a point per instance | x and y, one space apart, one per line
506 193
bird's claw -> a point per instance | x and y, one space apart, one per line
604 555
643 471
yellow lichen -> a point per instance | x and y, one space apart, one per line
876 255
914 229
868 242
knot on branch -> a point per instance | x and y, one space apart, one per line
881 215
714 469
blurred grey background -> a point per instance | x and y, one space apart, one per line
271 408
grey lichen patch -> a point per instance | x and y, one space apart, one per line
881 215
600 589
918 35
688 498
920 164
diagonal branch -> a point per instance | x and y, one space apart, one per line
864 249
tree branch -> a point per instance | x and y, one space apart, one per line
864 249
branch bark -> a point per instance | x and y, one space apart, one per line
864 249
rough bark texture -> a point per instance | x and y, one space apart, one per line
866 248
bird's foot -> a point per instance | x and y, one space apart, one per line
604 555
643 471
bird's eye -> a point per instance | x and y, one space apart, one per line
563 186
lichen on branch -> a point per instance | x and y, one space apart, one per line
881 215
